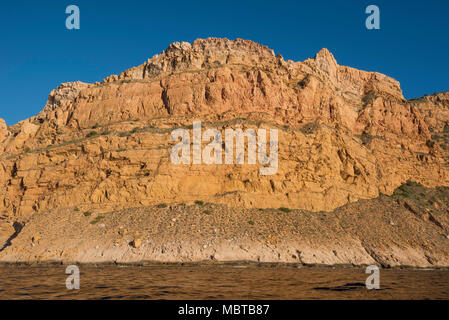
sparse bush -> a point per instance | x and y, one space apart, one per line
207 212
87 214
91 134
199 202
162 205
304 82
309 128
27 150
97 219
435 137
411 183
446 129
251 222
286 210
369 97
407 189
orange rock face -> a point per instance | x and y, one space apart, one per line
344 134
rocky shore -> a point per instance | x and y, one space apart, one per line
410 228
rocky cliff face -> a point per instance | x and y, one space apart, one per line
344 134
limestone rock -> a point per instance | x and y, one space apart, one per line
6 231
4 133
344 134
137 243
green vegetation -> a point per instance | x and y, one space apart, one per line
442 138
135 130
304 82
91 134
309 128
251 222
418 196
286 210
97 219
123 134
27 150
162 205
369 97
368 138
207 212
199 202
87 214
410 188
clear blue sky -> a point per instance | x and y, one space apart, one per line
37 52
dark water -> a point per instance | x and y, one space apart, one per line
212 282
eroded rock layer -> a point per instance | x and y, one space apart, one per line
344 134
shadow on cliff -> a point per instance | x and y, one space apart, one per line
18 228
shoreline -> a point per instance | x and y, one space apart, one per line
389 231
207 264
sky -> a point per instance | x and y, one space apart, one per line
38 52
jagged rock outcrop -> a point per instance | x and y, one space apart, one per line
344 134
4 133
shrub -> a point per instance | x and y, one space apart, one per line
199 202
87 214
207 212
405 190
446 129
286 210
27 150
162 205
251 222
309 128
91 134
97 219
411 183
304 82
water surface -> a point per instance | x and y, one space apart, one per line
220 282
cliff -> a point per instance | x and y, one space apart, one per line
344 135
